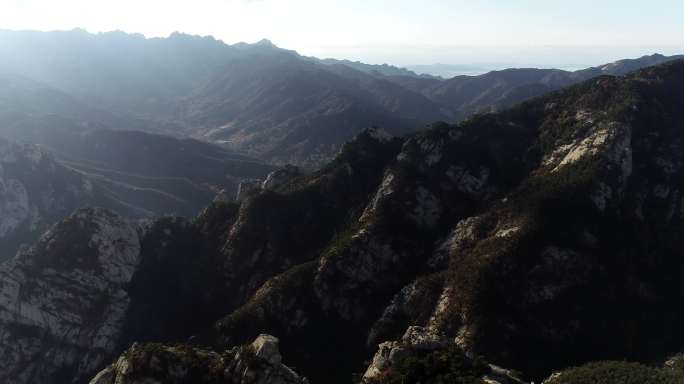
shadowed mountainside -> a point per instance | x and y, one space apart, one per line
538 238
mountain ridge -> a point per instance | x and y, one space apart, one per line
258 99
136 174
540 237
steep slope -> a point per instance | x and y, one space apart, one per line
36 191
256 363
538 238
623 67
472 94
257 98
114 71
137 175
186 275
279 106
502 231
62 302
618 372
496 90
153 173
21 97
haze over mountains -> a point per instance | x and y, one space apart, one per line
431 229
258 100
162 125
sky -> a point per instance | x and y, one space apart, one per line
490 33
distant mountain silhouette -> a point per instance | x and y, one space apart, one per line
256 99
467 95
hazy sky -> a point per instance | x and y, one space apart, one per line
522 32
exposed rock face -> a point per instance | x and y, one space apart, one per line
258 363
421 302
134 174
224 197
34 192
266 347
498 375
279 177
415 339
380 134
63 303
248 188
418 342
274 179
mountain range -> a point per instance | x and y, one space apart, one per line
160 126
254 99
507 248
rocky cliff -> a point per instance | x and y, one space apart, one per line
63 303
36 191
135 174
256 363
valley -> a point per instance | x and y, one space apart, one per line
182 210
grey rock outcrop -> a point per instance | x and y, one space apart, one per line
34 192
223 197
280 176
248 188
274 179
63 303
258 363
415 339
419 340
266 347
498 375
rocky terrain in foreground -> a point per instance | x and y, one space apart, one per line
509 248
63 302
256 363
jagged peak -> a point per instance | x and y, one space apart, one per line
379 134
265 43
256 363
90 239
371 143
